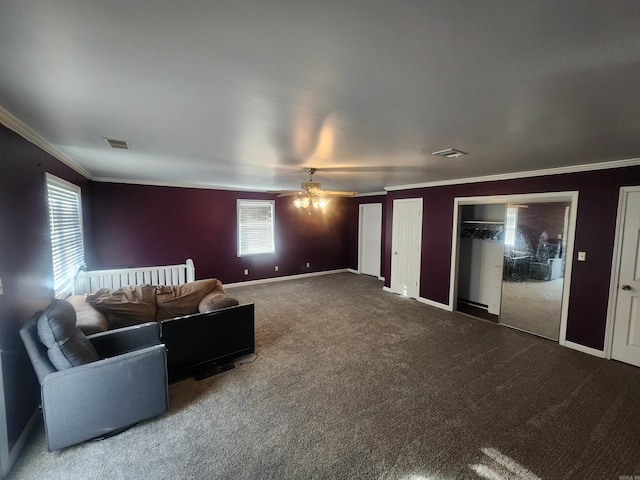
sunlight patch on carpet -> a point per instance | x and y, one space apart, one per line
498 466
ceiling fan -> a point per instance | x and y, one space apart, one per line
311 194
312 188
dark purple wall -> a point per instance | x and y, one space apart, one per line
595 230
354 225
136 225
25 263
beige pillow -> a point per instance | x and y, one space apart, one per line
216 301
179 300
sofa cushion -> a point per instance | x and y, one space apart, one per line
179 300
215 301
88 319
67 345
136 304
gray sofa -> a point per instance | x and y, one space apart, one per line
84 393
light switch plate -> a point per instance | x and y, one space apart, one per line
582 256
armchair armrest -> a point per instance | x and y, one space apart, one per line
97 398
127 339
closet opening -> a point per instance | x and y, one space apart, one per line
512 255
481 248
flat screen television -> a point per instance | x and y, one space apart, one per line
201 342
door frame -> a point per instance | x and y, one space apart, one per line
360 227
615 269
548 197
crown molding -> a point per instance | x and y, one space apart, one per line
587 167
18 126
370 194
154 183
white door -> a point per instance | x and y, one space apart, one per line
405 247
626 329
370 238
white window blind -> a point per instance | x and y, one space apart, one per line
255 227
64 204
511 225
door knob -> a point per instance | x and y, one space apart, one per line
626 287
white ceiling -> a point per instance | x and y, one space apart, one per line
244 94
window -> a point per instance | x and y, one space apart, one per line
255 227
64 205
511 225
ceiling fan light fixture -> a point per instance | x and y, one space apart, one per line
319 202
302 201
306 201
312 196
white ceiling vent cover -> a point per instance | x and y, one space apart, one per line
450 153
121 144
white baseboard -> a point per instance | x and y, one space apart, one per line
439 305
285 277
583 349
442 306
357 272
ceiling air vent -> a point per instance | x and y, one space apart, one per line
450 153
121 144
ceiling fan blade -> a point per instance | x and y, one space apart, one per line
290 193
282 191
338 193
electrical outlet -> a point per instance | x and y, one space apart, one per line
246 271
308 264
276 268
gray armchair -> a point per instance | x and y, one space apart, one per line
126 384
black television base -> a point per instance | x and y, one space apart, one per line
212 370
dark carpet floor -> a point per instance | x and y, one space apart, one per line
354 382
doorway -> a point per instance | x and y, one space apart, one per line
370 239
527 272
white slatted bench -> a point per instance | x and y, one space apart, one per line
88 281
